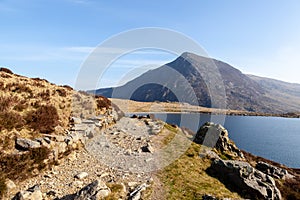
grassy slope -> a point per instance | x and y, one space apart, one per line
186 177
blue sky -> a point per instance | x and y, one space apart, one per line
52 38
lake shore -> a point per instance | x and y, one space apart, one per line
130 106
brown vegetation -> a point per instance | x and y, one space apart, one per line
10 120
61 92
2 69
44 119
102 102
10 164
18 88
44 95
290 188
2 186
67 87
21 166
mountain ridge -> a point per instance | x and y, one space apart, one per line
242 91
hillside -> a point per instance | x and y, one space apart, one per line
58 143
35 106
243 92
287 93
35 119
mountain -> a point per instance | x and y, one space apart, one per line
287 94
195 79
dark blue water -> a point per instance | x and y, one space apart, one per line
274 138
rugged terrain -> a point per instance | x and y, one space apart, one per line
57 143
214 83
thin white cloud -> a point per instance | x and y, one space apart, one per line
47 53
138 62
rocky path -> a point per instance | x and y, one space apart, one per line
116 154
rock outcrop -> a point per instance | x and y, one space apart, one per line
215 135
245 179
273 171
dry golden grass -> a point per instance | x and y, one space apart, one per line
131 106
186 178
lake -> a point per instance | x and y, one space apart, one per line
274 138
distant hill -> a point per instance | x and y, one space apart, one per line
285 95
243 92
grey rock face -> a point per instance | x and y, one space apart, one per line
273 171
215 135
251 182
26 144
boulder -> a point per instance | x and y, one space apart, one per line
275 172
24 144
94 191
214 135
33 193
245 179
81 175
